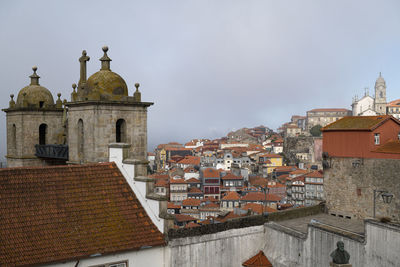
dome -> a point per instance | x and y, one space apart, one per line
105 84
34 94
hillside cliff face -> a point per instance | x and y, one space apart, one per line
306 149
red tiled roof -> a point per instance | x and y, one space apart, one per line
190 160
191 202
257 208
177 181
394 103
260 196
315 174
161 183
230 176
171 205
211 173
392 147
57 213
299 171
193 181
267 155
259 260
210 199
232 196
184 218
358 123
210 206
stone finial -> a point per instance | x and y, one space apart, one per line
137 96
105 60
59 101
74 94
34 77
12 102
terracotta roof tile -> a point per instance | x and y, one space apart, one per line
171 205
192 224
58 213
194 190
260 196
230 176
392 147
191 202
259 260
315 174
190 160
257 208
231 196
184 218
211 173
177 181
358 123
161 183
193 181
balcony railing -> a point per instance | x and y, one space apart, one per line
52 151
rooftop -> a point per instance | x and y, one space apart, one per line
57 213
358 123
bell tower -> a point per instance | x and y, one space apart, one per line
380 95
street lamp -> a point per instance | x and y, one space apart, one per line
386 197
265 189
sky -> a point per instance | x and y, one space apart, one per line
209 66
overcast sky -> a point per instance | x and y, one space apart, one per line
209 66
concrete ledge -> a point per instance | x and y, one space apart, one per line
338 231
155 196
119 145
144 179
135 161
391 225
286 230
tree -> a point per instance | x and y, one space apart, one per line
316 130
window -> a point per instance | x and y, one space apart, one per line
80 139
120 131
14 136
377 139
42 134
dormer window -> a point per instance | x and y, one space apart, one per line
377 139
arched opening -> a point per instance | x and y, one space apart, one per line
120 131
42 134
81 137
13 136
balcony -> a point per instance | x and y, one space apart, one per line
52 151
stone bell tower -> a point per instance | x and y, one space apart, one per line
380 95
33 123
101 113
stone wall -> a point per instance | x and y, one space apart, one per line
308 145
349 185
27 135
99 122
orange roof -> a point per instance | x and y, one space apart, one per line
260 196
358 123
259 260
230 176
394 103
267 155
177 181
190 160
257 208
254 181
184 218
328 109
60 213
211 173
212 206
392 147
210 199
232 196
299 171
315 174
161 183
193 180
171 205
191 202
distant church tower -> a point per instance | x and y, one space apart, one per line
380 95
34 120
101 113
